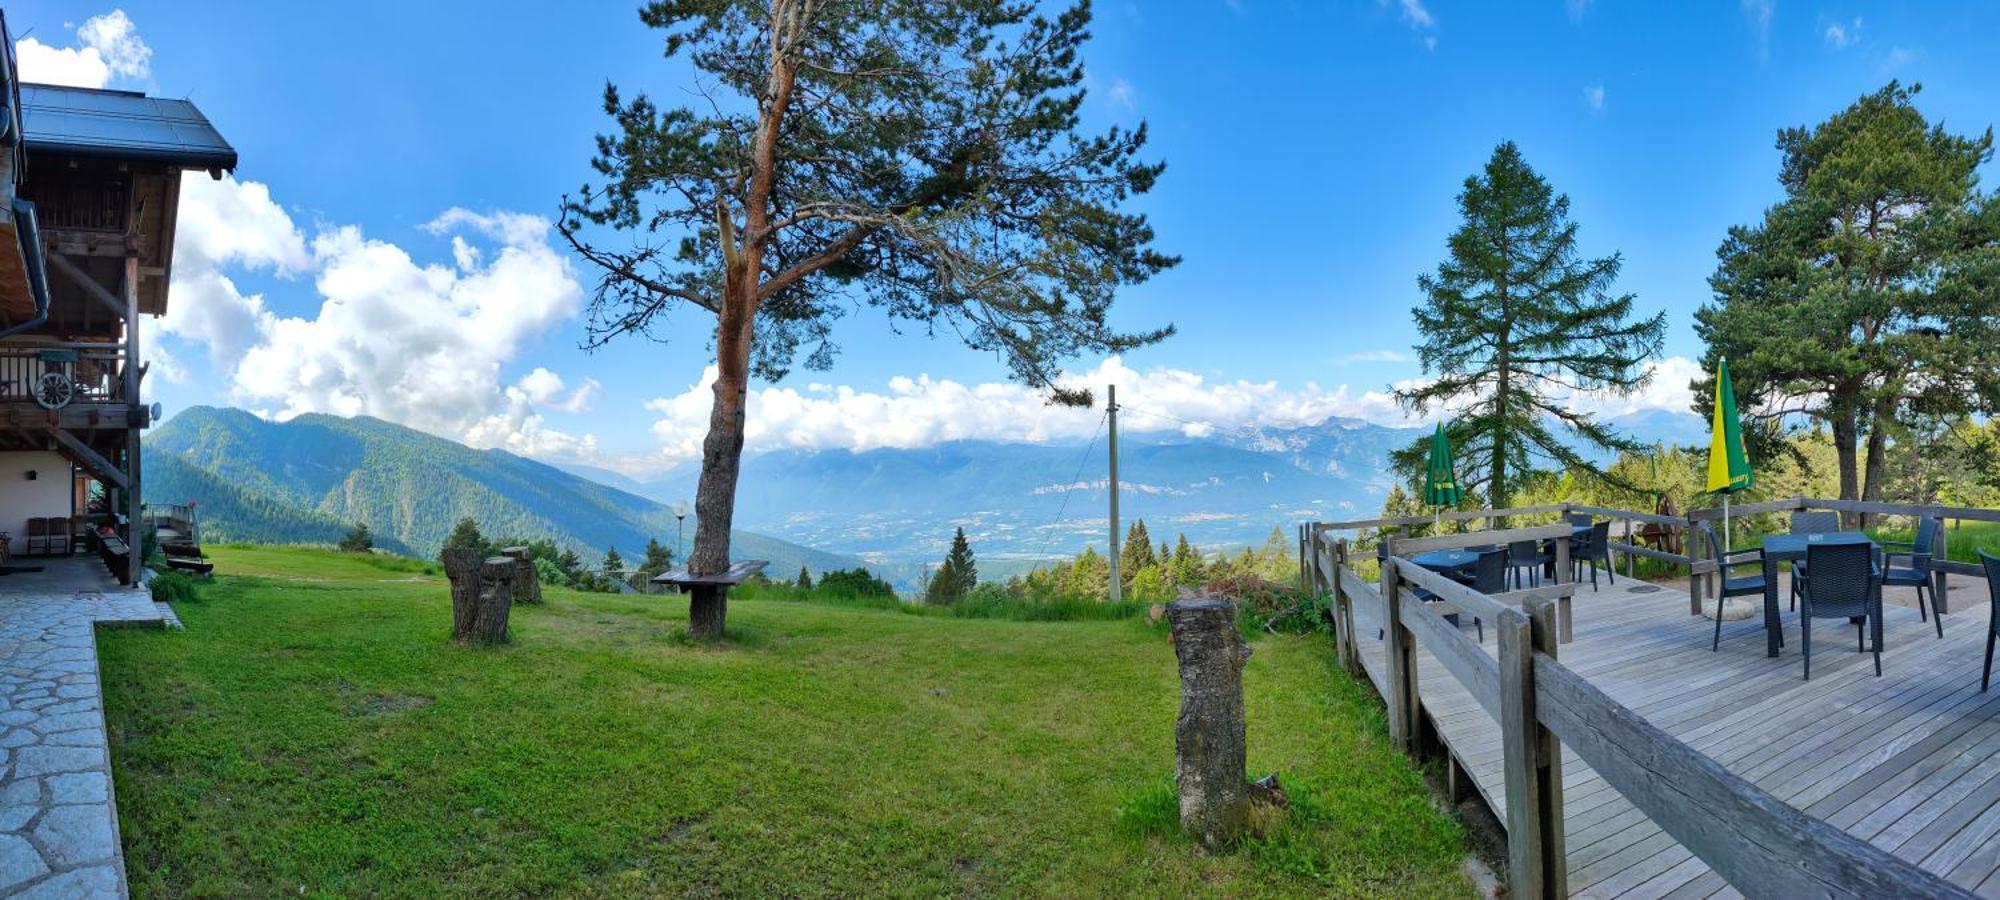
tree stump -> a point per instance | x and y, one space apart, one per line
527 579
708 606
1209 753
461 567
482 594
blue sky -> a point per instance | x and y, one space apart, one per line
1313 153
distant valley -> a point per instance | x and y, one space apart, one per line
313 477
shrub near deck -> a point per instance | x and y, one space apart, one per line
313 730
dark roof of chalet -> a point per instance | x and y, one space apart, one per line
120 125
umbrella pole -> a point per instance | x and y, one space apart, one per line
1725 528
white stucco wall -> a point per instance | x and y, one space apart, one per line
48 495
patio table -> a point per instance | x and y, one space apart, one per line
1790 548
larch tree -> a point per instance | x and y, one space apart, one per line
1515 324
922 157
1869 297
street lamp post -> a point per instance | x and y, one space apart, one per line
680 525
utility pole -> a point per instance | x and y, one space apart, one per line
1111 412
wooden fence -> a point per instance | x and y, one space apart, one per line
1763 846
1695 556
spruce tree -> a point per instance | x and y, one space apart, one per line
805 580
957 576
358 540
1136 553
1515 322
1187 569
465 536
614 565
659 558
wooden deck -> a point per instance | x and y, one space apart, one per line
1909 761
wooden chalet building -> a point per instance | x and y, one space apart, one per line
89 188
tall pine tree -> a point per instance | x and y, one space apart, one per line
1869 297
1513 324
1136 553
957 576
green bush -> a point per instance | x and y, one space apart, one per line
174 587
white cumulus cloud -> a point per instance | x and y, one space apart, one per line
421 343
924 411
108 46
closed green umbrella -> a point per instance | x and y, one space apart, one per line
1728 466
1440 482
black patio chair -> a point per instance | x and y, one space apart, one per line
1841 581
1731 585
1578 520
1918 573
1595 545
1489 577
1526 555
1992 564
1815 521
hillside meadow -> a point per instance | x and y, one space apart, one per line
312 732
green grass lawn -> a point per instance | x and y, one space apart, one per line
314 732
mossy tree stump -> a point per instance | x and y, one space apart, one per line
1209 741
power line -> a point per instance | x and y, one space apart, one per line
1071 486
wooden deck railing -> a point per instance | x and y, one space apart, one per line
1763 846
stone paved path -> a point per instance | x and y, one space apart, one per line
58 824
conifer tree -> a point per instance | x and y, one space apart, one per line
805 581
659 558
1136 553
1869 297
1512 324
465 536
614 565
957 576
1188 570
927 160
358 540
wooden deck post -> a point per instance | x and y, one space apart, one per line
1696 582
1402 699
1532 759
1563 577
1343 560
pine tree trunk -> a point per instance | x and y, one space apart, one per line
1845 439
708 606
1209 739
722 448
1875 467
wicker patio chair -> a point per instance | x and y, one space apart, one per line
1815 521
1917 574
1841 581
1730 585
1526 556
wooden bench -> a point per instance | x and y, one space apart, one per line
116 555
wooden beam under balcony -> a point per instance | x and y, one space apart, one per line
82 279
81 453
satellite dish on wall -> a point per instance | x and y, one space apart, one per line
155 410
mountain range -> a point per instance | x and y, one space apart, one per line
1021 504
312 478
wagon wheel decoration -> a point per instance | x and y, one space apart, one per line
54 390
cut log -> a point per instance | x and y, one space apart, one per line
1209 752
482 594
527 579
